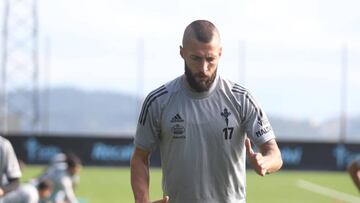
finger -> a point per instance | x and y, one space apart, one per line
259 159
249 149
160 201
262 168
263 172
164 200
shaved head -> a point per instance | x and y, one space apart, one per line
201 51
201 30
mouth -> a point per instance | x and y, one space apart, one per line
202 77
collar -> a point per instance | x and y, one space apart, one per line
199 95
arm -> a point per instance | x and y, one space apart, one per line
140 176
68 190
12 185
354 171
12 168
268 160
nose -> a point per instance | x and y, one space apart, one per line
203 66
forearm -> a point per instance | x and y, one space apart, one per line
355 174
274 161
272 155
70 196
12 185
140 179
356 179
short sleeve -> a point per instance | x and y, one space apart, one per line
257 125
148 128
146 136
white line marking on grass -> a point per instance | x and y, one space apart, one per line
327 191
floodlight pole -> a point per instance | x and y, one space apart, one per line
20 65
140 49
4 113
242 62
343 94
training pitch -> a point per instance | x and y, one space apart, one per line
112 185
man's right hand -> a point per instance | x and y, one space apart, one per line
164 200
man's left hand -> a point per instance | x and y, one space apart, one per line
257 160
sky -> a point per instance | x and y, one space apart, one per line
288 53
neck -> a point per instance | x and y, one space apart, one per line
196 94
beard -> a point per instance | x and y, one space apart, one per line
196 83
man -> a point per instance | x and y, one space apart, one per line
61 175
354 171
10 172
59 162
30 193
199 121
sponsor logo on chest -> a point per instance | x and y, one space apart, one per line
177 129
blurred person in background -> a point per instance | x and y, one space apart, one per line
61 174
10 172
354 171
33 192
200 122
58 162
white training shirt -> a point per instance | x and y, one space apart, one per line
26 193
9 165
201 139
62 184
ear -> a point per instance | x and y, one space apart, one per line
181 52
220 51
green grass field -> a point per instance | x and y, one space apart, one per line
112 185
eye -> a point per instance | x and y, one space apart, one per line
210 59
195 58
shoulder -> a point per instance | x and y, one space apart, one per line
238 93
5 144
167 88
163 91
159 97
4 141
233 88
